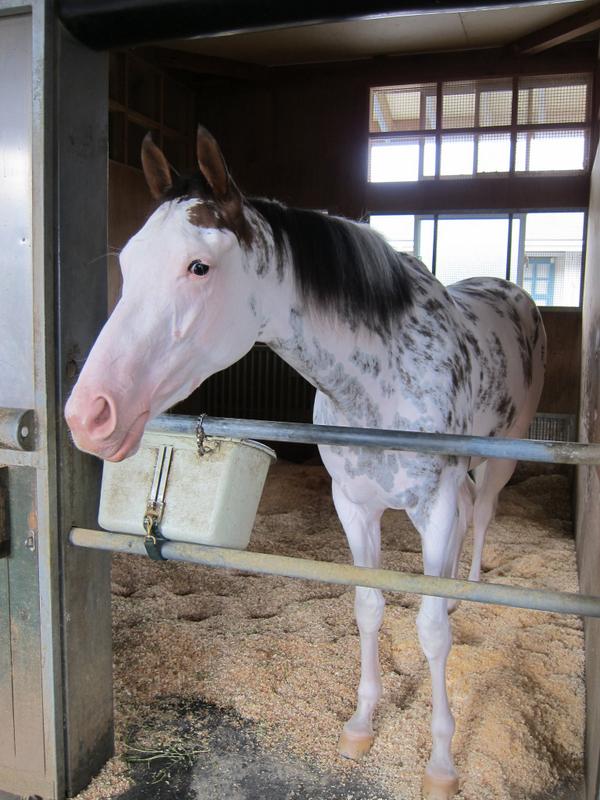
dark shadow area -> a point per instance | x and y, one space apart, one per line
196 751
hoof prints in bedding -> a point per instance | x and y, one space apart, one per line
223 757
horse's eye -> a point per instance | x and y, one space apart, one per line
198 268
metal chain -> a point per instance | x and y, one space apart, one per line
201 437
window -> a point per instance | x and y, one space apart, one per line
467 128
538 278
542 252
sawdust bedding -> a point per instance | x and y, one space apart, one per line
284 654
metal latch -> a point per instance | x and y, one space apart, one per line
17 429
155 504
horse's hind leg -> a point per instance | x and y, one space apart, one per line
438 533
466 498
490 478
362 527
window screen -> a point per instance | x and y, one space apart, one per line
403 108
553 99
475 104
503 126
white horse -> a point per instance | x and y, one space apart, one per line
384 343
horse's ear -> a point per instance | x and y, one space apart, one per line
156 168
212 164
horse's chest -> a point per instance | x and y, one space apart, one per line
389 478
396 479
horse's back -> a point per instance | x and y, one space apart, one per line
504 329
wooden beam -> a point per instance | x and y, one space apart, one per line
460 65
564 30
198 64
448 195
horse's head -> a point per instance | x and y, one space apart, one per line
188 307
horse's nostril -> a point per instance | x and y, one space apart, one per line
101 411
102 417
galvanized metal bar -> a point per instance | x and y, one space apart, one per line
387 580
436 443
17 429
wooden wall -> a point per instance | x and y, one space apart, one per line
281 141
563 367
129 204
588 483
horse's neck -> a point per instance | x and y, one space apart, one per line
318 347
321 347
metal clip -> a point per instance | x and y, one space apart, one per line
155 504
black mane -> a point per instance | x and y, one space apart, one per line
340 267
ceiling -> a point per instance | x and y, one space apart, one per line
392 35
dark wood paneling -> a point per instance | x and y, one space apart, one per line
465 64
519 193
563 366
129 204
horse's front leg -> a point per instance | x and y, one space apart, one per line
438 529
361 524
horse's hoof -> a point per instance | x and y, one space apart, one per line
439 787
354 745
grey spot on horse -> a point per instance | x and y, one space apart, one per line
387 389
378 467
405 499
367 364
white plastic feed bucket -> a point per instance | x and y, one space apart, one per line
208 499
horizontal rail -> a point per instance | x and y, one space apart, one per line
437 443
325 572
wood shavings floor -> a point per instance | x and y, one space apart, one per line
259 673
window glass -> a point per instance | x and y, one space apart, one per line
468 247
542 151
457 155
407 234
425 229
545 249
493 153
397 159
398 229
